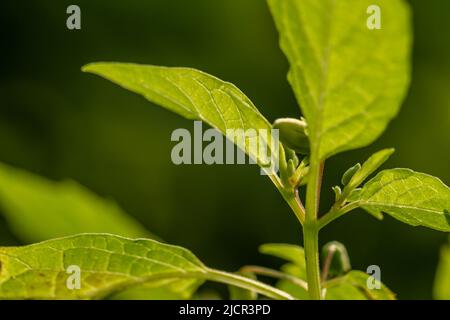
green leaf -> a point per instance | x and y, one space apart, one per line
194 95
289 252
168 289
369 166
353 286
293 134
414 198
38 209
441 290
108 264
337 192
349 80
349 174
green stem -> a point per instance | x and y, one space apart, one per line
310 227
335 213
262 271
247 283
291 197
311 244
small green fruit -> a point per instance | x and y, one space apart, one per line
293 134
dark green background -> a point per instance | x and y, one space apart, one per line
61 123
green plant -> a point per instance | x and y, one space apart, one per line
349 81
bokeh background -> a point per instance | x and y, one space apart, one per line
60 123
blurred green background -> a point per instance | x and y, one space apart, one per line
60 123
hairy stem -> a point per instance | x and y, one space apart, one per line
336 212
291 197
310 227
275 274
311 244
295 203
247 283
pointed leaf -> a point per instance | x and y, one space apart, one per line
349 174
194 95
369 166
39 209
289 252
106 265
353 286
348 79
414 198
337 192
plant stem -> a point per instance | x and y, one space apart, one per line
336 212
275 274
291 197
311 244
247 283
295 203
310 227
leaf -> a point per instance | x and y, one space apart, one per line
349 80
178 289
369 166
349 174
170 289
414 198
108 264
441 290
353 286
38 209
289 252
194 95
337 192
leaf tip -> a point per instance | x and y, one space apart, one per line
87 67
94 67
390 151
